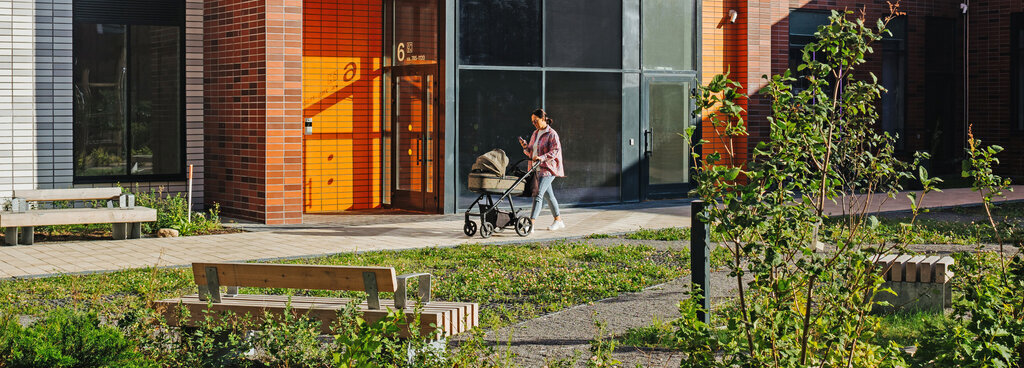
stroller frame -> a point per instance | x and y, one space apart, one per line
492 218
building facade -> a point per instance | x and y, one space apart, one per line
286 107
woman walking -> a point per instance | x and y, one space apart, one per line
544 149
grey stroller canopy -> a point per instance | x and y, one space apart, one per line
493 162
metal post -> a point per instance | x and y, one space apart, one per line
700 260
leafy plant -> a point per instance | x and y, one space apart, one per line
988 320
796 305
66 338
172 212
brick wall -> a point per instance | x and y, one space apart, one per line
253 104
723 50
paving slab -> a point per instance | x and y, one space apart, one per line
331 234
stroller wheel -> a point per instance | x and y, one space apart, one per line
486 230
469 228
524 226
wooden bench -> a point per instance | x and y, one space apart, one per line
451 318
21 220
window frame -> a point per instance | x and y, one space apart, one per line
1016 68
182 117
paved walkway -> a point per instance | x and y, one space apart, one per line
319 239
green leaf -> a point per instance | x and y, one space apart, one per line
731 174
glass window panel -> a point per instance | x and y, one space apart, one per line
584 33
668 34
494 109
587 113
669 117
415 32
155 100
500 32
805 22
99 99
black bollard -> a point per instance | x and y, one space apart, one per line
700 258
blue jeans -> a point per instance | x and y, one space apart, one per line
544 191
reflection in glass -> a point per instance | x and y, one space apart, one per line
127 98
584 33
668 34
416 37
494 109
500 32
155 100
587 113
99 91
668 117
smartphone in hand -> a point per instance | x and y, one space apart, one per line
522 142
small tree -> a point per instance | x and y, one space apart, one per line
797 305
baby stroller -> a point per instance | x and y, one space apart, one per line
488 177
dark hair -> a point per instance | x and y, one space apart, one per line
543 115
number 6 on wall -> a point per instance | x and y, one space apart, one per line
401 51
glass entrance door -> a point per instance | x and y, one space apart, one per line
667 112
411 70
414 137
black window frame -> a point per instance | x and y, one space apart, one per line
1016 68
141 13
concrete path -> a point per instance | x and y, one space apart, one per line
320 238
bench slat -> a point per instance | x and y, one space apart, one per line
69 216
75 194
296 276
444 315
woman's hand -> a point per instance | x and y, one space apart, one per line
535 158
522 142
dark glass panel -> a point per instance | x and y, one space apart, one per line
806 22
584 33
100 87
155 100
668 34
587 113
494 109
669 116
500 32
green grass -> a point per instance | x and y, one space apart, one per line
908 328
658 334
511 282
666 234
928 231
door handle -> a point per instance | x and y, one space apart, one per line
648 139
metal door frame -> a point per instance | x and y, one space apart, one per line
419 199
660 191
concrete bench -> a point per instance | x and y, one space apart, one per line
451 318
920 282
20 222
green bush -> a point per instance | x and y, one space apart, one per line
172 212
66 338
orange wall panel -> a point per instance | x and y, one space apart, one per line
341 82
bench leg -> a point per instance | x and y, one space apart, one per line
135 230
11 236
28 235
119 231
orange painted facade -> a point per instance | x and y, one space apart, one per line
341 86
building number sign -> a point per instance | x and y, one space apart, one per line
404 52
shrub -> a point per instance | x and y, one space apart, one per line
172 212
66 338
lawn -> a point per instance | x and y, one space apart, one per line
511 282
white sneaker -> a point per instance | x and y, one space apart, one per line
557 225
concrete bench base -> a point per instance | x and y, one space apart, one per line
915 296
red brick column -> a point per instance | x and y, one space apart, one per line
253 77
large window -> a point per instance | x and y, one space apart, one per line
1017 69
500 32
803 24
495 108
587 113
583 34
894 79
128 117
668 34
